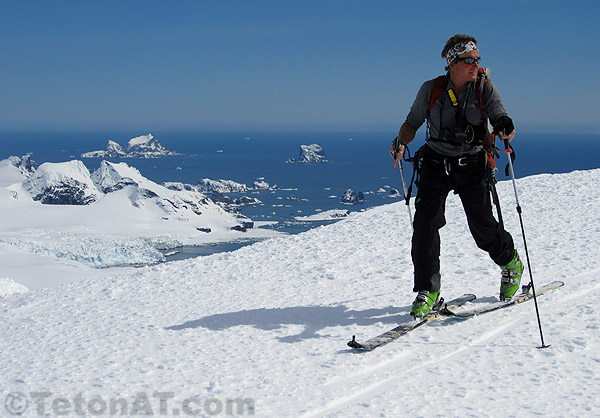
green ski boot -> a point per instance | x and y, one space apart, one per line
511 277
424 302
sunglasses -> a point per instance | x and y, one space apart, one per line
469 60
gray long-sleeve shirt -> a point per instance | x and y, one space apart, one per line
443 114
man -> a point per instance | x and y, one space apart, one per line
454 159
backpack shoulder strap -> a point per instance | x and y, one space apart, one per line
489 143
482 79
438 89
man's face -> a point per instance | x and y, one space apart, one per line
465 72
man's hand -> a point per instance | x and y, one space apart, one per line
397 150
505 128
405 136
510 136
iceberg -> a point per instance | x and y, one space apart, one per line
329 215
350 197
312 154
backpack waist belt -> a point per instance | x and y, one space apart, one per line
458 161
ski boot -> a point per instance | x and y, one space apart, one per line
511 277
424 302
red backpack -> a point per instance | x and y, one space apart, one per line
439 86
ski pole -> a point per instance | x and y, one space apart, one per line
405 194
508 150
404 189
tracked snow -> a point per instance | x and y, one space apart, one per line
269 322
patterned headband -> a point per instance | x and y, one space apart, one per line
460 48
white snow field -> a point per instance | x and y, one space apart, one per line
263 330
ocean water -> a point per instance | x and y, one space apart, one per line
357 160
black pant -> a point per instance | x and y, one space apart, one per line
467 176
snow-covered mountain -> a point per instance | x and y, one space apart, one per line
113 150
103 218
15 169
67 183
71 183
25 164
144 146
110 177
263 185
221 186
230 186
231 203
182 204
264 328
218 190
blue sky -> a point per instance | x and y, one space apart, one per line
289 65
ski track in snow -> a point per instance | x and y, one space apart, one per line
270 321
418 371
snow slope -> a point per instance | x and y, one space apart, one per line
269 323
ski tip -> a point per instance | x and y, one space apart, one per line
527 288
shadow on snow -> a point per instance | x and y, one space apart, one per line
313 318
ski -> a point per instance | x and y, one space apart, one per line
403 328
525 295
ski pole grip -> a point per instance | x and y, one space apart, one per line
507 148
396 144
